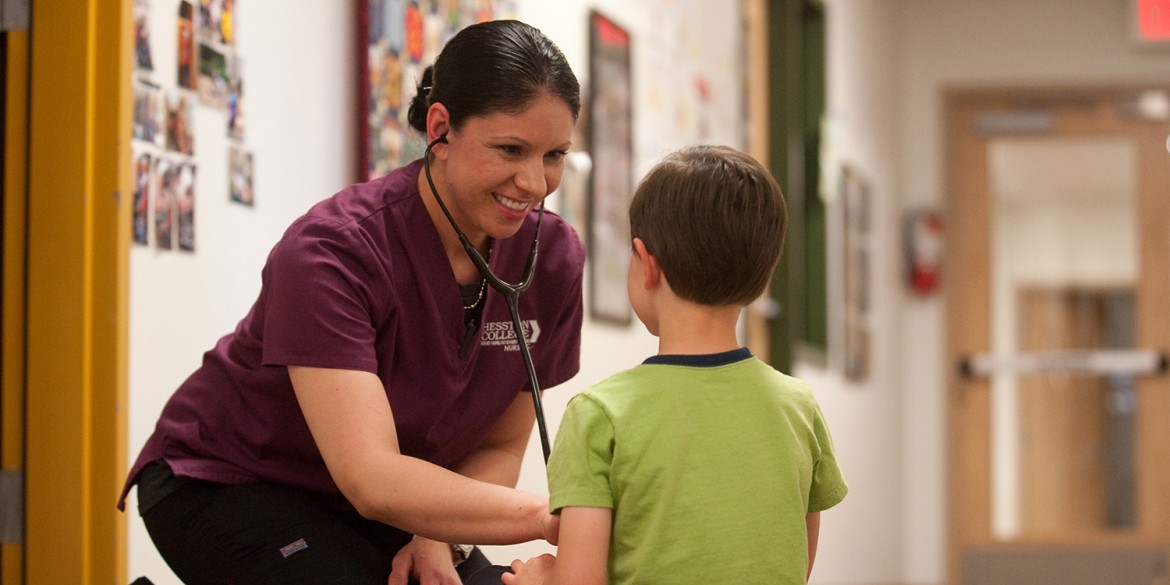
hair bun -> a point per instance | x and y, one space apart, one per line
416 113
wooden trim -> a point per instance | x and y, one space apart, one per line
968 270
755 22
15 206
78 240
1153 440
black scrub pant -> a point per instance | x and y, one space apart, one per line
218 534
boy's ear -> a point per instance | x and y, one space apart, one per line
651 273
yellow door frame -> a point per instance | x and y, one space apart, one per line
15 185
77 290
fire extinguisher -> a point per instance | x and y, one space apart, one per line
924 249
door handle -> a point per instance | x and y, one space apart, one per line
1116 362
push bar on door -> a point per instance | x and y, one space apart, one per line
1120 362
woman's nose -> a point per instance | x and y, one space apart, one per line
530 178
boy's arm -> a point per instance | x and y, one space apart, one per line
583 552
582 555
813 523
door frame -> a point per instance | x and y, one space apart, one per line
12 325
1076 112
73 258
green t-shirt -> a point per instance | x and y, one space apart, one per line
710 464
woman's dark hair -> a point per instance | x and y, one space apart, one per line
490 67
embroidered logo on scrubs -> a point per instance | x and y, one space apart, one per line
500 333
289 549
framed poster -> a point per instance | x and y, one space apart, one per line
611 182
855 197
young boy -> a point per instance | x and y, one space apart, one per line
702 464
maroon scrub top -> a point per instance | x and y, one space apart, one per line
361 282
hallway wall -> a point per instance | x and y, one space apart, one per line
862 539
889 63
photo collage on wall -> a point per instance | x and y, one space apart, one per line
401 38
207 76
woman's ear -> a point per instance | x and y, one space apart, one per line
651 273
438 124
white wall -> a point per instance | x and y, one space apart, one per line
299 94
862 539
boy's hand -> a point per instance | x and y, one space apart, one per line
535 572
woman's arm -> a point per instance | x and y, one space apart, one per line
497 460
353 427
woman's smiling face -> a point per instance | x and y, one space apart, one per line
500 166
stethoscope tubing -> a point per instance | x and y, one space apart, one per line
510 291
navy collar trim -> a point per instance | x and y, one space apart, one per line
710 360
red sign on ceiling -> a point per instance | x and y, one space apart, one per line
1154 19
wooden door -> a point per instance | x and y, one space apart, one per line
1059 328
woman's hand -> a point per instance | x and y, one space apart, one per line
535 572
425 561
551 528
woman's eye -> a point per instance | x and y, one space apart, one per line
511 150
557 155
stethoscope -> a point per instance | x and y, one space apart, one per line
511 292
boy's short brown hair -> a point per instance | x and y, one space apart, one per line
714 218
